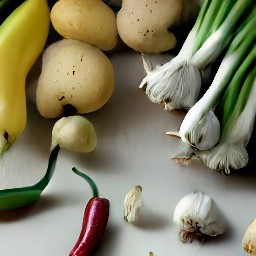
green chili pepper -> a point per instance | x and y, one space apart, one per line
19 197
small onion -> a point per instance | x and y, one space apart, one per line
74 133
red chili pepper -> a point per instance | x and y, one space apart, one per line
94 225
94 222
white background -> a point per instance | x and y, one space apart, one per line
132 149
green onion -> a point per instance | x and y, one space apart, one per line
201 128
215 13
177 84
220 38
229 97
230 153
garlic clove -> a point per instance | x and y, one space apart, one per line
198 217
249 239
132 202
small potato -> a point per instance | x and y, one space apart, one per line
73 73
145 26
90 21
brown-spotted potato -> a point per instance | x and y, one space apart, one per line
74 74
145 26
90 21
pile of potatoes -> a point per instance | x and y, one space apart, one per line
76 71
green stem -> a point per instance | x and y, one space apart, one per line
229 99
203 10
239 12
239 104
19 197
246 33
89 180
222 14
205 18
41 185
224 75
241 45
221 38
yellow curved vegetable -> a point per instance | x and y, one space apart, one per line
22 38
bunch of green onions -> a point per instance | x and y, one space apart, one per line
230 153
177 83
219 125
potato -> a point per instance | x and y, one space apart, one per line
73 73
90 21
145 26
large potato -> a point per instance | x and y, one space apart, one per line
73 73
90 21
146 26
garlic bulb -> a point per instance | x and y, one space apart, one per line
132 202
249 239
198 217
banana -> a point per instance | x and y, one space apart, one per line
23 35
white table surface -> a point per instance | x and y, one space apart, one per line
132 149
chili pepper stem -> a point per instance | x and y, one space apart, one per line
89 180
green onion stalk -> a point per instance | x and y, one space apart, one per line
177 83
201 127
230 153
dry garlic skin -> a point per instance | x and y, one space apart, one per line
249 239
73 73
90 21
132 203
